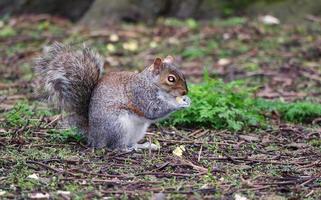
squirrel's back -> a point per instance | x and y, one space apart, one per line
67 77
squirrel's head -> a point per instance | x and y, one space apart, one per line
169 78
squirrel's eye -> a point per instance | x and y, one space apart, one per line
171 78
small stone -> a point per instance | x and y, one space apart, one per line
224 62
269 20
39 196
33 176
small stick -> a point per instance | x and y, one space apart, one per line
58 117
199 153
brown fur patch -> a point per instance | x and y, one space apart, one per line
133 109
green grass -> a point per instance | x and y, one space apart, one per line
66 135
19 115
7 31
173 22
231 21
24 114
296 112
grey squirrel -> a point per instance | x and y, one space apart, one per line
113 111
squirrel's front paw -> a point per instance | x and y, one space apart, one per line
183 101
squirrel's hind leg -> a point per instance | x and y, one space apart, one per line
107 132
75 121
135 127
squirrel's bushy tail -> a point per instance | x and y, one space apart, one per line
67 77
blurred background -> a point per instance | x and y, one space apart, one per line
271 44
100 12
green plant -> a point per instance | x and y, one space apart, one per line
23 113
19 115
66 135
298 112
232 21
190 23
199 51
194 52
219 105
7 31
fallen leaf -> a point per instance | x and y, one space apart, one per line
239 197
64 194
111 48
223 62
131 45
178 151
226 36
39 196
2 192
113 38
153 44
249 138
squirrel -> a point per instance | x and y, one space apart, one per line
115 110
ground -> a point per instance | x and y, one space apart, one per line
280 161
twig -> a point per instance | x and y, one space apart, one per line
195 133
58 117
99 174
200 169
163 174
50 168
190 142
256 161
199 154
43 165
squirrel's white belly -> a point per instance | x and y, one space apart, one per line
135 128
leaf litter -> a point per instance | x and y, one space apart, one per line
38 160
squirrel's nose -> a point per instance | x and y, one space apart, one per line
184 92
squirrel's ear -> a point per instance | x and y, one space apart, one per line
157 66
158 62
169 59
